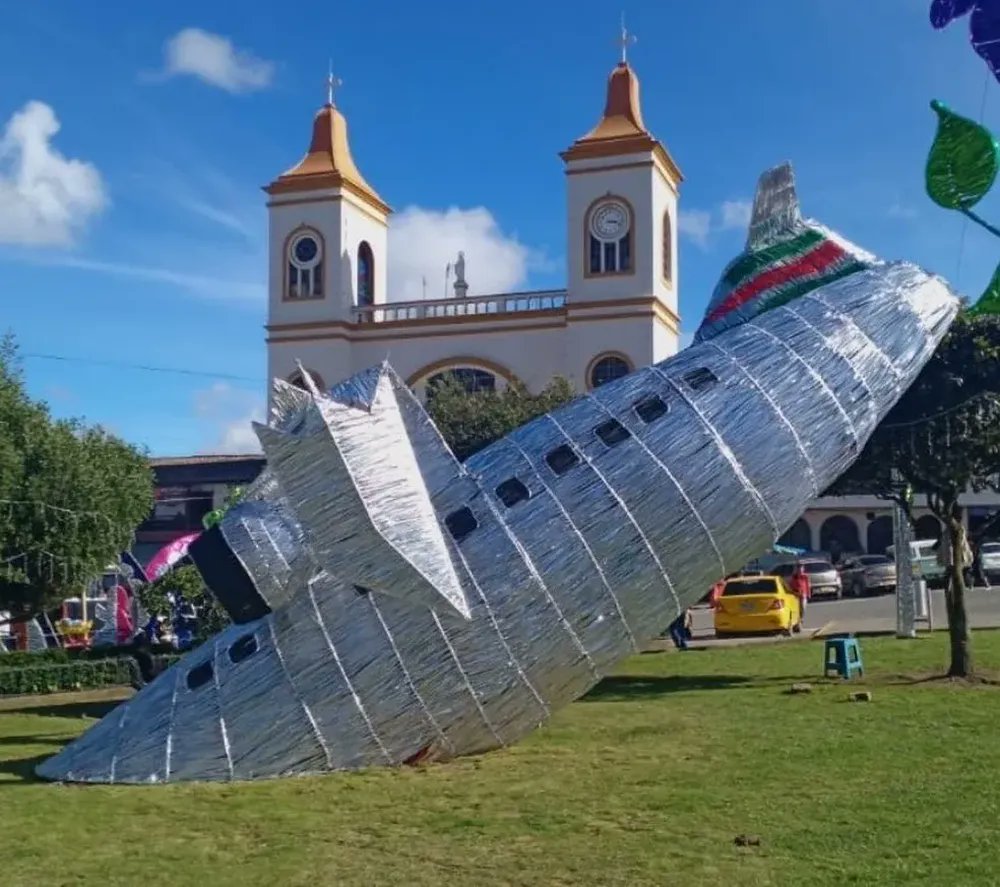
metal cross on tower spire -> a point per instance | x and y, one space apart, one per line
624 40
331 83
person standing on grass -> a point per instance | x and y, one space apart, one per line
679 630
801 589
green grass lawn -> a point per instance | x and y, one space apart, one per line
646 781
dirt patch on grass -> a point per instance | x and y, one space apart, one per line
985 678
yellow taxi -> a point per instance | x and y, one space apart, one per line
756 604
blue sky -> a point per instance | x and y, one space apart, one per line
149 249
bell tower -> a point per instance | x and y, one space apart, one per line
622 190
327 246
327 231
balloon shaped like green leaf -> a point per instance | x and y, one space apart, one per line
963 161
989 301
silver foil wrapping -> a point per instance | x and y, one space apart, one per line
421 608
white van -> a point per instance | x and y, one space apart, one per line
924 559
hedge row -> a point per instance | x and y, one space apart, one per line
59 656
54 677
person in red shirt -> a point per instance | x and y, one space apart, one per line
716 593
800 588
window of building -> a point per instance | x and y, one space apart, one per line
649 409
471 379
607 369
200 675
609 237
242 648
512 491
562 459
612 432
305 266
700 379
668 249
366 275
460 523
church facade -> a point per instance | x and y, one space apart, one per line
329 307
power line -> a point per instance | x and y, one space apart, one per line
923 420
140 366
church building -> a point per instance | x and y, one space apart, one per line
329 307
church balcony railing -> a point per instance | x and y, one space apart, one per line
469 306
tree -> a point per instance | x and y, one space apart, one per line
71 496
470 421
185 580
941 440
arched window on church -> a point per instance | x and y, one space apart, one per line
606 368
366 274
470 378
668 248
609 237
305 266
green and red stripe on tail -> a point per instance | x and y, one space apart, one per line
785 258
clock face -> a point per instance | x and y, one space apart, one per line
305 250
609 221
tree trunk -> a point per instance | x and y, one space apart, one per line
958 620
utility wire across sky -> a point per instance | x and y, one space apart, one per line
122 365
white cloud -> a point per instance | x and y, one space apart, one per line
45 199
213 59
696 224
228 412
899 211
223 289
736 214
423 241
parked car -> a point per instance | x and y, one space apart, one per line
924 554
751 604
989 555
823 576
868 574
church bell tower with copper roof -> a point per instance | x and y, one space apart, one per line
622 190
327 235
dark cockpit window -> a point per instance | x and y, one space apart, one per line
612 432
512 491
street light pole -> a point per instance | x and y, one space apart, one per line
905 604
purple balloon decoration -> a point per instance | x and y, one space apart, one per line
984 27
944 12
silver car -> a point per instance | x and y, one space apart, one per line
823 576
868 574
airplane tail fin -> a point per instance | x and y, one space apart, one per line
786 257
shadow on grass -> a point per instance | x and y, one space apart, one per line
623 688
97 708
22 770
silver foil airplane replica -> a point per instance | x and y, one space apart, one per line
391 605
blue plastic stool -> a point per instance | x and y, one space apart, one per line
842 655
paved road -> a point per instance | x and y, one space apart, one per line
874 614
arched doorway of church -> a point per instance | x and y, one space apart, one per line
799 535
839 536
927 527
880 534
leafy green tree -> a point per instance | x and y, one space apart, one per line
71 496
185 580
941 440
471 421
